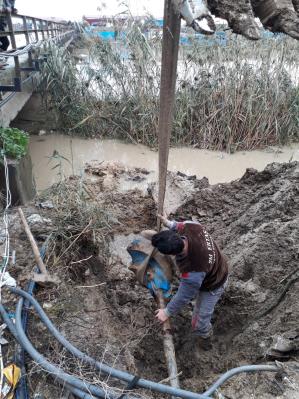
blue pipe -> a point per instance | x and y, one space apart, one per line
13 331
82 385
73 384
102 367
237 370
22 388
8 322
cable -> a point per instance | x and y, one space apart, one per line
6 250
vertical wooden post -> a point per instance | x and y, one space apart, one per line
170 48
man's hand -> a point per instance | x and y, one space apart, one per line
164 220
161 315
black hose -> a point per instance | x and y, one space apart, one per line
119 374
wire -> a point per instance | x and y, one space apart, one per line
6 250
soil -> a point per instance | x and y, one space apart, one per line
101 309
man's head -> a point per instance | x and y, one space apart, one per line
168 242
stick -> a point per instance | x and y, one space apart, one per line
34 247
168 345
72 243
90 286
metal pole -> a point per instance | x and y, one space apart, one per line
170 48
13 45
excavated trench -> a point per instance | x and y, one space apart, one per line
101 309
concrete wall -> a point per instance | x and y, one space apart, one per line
21 181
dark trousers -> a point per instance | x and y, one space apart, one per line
4 43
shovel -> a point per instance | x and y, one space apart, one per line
43 278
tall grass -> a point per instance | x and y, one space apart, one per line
238 96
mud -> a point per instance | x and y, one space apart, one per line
101 309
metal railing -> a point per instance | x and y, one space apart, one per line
34 33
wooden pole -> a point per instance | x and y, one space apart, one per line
168 345
43 278
34 247
170 48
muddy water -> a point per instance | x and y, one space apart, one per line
216 166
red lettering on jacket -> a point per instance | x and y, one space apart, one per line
185 275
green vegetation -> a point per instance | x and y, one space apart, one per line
13 143
240 96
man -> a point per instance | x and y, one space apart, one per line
203 270
6 6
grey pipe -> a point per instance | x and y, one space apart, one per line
237 370
13 331
78 393
121 375
128 377
59 373
8 322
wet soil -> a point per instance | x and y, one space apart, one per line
101 309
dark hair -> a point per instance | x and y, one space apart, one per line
168 242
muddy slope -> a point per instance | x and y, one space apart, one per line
100 308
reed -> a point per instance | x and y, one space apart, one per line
237 96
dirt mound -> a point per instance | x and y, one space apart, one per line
101 309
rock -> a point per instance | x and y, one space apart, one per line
46 205
36 219
47 305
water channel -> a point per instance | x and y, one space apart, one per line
217 166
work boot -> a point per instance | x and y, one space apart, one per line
203 343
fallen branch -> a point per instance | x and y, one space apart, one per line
90 286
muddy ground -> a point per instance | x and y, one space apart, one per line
101 309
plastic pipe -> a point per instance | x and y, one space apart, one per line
235 371
121 375
56 371
73 382
22 389
12 329
8 322
78 393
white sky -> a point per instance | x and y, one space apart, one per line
75 9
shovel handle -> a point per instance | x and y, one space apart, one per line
34 247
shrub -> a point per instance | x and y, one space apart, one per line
13 142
